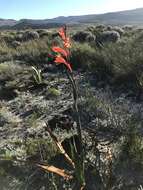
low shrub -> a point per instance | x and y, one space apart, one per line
6 52
121 63
83 54
94 60
108 36
83 36
8 70
34 52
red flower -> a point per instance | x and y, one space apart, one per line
66 40
62 33
60 60
60 50
63 52
67 43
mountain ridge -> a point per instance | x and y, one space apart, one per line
133 17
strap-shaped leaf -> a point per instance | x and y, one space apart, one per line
56 170
60 147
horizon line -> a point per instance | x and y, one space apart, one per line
102 13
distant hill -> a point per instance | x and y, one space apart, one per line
132 17
35 24
7 22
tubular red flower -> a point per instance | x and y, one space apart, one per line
63 52
66 40
57 49
60 60
67 43
62 33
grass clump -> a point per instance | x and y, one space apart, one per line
41 149
133 146
91 59
54 91
34 51
8 70
83 55
6 52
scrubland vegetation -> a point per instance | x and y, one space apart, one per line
36 100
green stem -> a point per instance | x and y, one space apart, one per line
80 155
75 97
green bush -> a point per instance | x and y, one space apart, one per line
121 63
127 62
132 148
6 53
34 51
8 70
82 55
88 58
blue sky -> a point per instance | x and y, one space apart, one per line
42 9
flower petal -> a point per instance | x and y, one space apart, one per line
69 67
60 60
67 43
60 50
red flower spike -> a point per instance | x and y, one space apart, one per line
62 33
60 60
60 50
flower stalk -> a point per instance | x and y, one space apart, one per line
62 57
